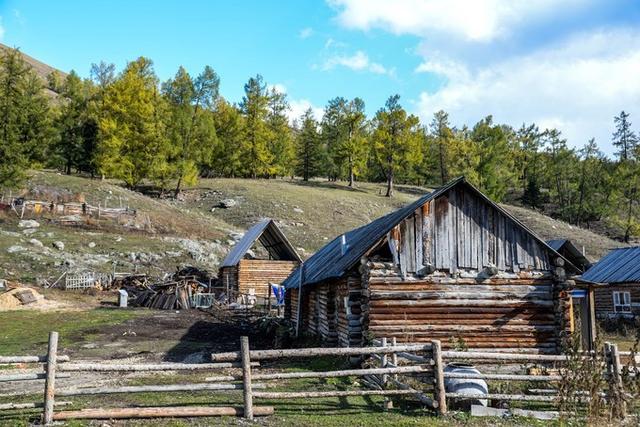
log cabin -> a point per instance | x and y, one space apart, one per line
452 265
262 257
618 276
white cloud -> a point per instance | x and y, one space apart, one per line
305 33
279 87
1 29
358 62
577 86
477 20
298 108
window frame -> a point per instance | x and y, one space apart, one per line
621 302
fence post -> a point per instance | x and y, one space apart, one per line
618 398
394 356
246 378
438 371
50 379
388 403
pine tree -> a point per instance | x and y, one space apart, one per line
396 140
624 138
309 149
133 144
254 107
442 134
191 128
281 144
231 141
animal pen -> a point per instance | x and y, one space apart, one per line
414 371
245 273
452 266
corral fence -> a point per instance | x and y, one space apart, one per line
37 207
389 369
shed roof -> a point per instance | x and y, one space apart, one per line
567 248
621 265
333 261
270 236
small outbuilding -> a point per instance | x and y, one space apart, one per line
570 251
619 274
453 266
263 256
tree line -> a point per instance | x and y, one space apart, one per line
132 127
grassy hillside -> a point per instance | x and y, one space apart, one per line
197 230
40 68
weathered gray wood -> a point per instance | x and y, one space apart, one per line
440 396
319 351
504 377
29 405
503 356
103 367
50 379
336 393
329 374
29 377
164 388
520 397
484 411
29 359
159 412
246 378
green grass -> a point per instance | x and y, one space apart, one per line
27 332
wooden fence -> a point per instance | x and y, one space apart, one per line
390 369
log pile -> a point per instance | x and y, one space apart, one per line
174 292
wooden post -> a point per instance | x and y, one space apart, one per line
50 379
394 356
388 403
246 378
438 374
299 311
615 370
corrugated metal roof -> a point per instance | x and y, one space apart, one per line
566 248
270 236
556 244
621 265
332 261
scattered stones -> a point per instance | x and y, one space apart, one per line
16 248
298 210
36 242
92 245
236 236
28 223
118 239
58 245
227 203
28 231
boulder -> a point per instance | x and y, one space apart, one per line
91 245
227 203
15 248
28 223
58 245
36 242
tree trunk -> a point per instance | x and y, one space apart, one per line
177 191
390 183
351 176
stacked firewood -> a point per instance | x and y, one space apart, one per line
173 292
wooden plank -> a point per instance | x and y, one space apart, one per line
160 412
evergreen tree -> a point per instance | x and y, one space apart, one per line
231 141
133 144
309 148
591 185
332 134
624 138
396 140
254 107
281 144
442 134
191 128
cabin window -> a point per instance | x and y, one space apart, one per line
622 302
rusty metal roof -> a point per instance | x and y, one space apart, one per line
335 259
270 236
621 265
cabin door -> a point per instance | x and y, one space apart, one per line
583 316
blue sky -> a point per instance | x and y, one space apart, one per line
570 64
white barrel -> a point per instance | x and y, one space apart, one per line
466 386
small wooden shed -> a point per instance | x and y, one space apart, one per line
570 251
249 273
618 273
453 266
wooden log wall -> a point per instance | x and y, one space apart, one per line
229 277
506 313
257 274
604 298
459 230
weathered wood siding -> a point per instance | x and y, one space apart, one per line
495 313
257 274
604 299
229 277
459 230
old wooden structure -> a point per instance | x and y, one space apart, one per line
616 279
244 272
452 266
570 251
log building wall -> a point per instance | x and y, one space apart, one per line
604 299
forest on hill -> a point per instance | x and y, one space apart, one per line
129 126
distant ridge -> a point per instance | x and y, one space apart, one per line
41 69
